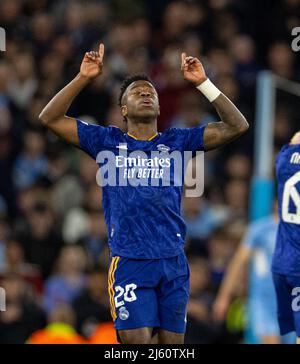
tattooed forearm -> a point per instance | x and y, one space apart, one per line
232 124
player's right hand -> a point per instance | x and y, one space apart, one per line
220 308
92 64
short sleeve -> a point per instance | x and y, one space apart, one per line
194 138
91 137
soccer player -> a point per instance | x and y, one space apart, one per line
149 274
286 259
257 249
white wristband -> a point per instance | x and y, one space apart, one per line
209 90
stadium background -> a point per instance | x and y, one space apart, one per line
53 254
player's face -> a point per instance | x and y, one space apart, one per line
140 101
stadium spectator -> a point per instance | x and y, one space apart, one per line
31 163
65 285
41 238
92 304
15 263
22 316
60 329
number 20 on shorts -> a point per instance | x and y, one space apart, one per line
126 294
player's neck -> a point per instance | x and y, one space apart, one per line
142 131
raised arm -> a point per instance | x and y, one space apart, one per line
54 114
232 124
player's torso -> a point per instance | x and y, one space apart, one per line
142 186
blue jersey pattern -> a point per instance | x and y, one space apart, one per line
144 222
286 258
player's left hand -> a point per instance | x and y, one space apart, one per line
192 69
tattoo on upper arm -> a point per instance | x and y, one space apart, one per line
219 134
232 125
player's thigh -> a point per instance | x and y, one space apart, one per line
133 300
285 314
168 337
136 336
173 297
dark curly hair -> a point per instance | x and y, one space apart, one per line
128 81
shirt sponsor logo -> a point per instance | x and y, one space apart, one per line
152 168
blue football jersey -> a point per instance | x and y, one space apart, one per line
286 259
142 187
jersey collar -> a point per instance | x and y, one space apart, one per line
148 140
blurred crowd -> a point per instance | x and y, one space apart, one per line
53 240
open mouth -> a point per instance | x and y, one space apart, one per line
147 102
